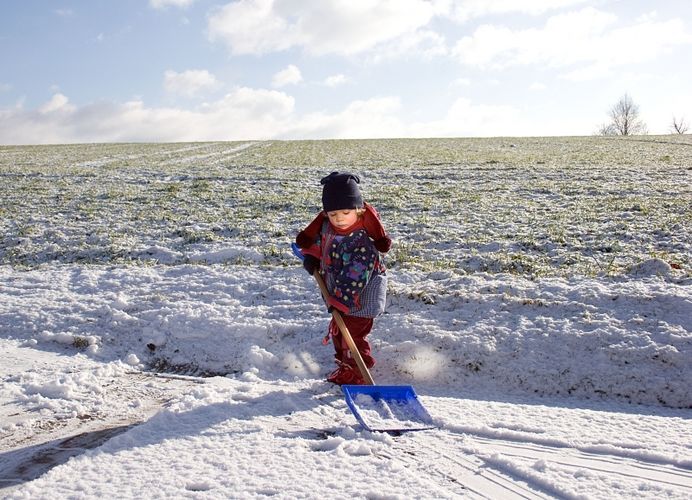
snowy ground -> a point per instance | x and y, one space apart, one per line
528 381
528 206
544 382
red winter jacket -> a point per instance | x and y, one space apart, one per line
371 223
350 262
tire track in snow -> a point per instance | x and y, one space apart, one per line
490 467
439 474
463 473
595 461
215 153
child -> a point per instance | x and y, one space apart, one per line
344 243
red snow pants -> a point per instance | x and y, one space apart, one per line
359 328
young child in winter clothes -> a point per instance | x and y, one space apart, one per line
344 243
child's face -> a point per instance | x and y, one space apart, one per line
343 218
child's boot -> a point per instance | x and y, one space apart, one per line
346 374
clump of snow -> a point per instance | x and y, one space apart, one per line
59 337
227 254
132 360
651 267
159 254
383 414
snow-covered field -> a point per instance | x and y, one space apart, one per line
155 328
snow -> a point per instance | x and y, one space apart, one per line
557 387
389 414
159 340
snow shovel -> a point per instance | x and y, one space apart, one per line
385 408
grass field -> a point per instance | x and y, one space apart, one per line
528 206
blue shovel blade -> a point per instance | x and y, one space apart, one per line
387 407
297 252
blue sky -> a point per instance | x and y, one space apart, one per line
192 70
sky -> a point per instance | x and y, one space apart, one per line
197 70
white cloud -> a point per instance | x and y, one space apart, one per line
162 4
290 75
380 117
248 114
392 28
58 102
64 12
588 39
647 17
465 119
324 27
424 43
462 82
242 114
472 9
190 83
335 80
361 119
537 86
586 73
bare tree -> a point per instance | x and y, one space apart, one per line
624 119
606 129
680 126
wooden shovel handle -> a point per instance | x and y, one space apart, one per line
344 331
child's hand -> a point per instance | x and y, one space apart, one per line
311 263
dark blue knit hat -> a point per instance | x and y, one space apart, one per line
341 191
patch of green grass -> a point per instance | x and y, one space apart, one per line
547 206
